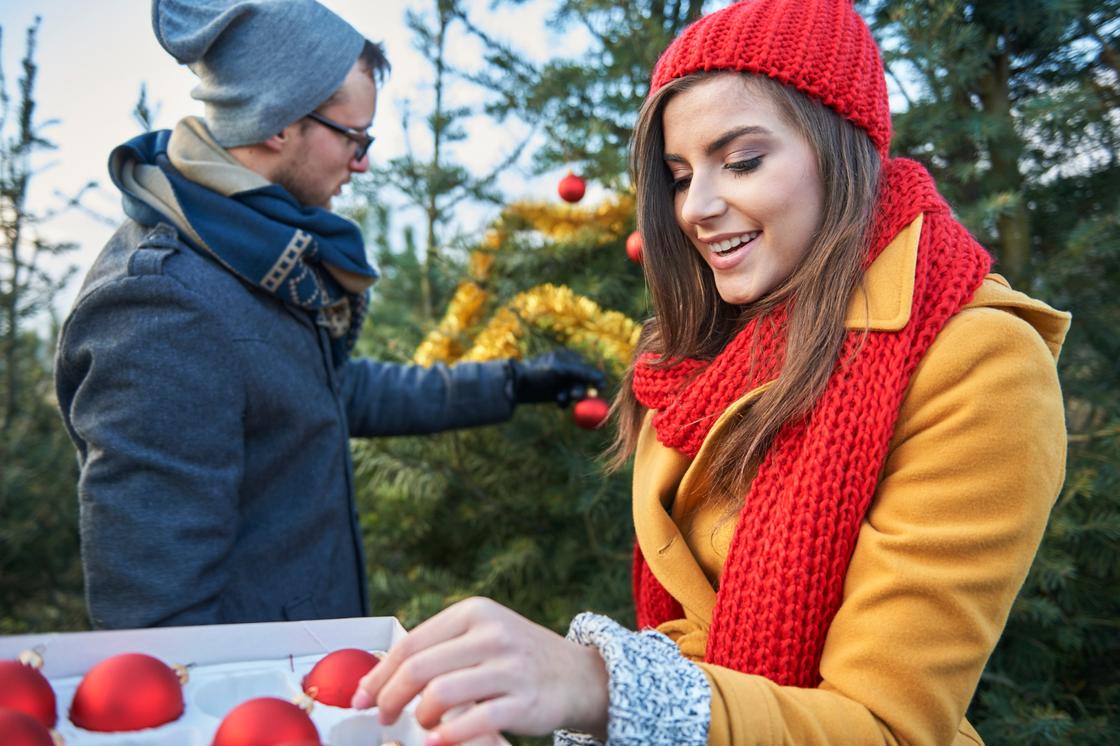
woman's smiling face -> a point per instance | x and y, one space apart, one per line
748 194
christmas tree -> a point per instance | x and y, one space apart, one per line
521 513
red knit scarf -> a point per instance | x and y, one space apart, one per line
784 575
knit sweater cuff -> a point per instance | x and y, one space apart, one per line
657 696
571 738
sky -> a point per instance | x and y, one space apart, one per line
94 56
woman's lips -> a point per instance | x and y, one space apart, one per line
728 252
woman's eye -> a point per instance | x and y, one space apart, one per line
679 185
745 166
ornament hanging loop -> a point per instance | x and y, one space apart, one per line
32 657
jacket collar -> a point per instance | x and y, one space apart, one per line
883 300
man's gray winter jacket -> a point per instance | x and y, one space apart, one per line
213 434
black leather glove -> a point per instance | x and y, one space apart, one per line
560 376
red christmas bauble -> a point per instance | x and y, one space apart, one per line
127 692
24 689
571 188
591 412
266 721
20 729
335 677
634 247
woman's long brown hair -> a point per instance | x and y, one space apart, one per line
692 321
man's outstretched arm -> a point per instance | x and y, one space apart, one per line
401 399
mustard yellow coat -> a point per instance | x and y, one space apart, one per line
974 466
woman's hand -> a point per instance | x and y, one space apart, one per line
498 672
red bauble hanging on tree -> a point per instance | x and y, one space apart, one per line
20 729
634 247
266 721
335 677
571 188
590 413
24 689
128 692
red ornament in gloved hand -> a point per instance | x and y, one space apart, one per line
335 677
559 376
590 413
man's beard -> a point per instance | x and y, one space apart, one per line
294 181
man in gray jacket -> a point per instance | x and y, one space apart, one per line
204 372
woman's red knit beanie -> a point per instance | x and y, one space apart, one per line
821 47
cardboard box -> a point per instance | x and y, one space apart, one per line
228 665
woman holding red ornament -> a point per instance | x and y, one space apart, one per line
847 434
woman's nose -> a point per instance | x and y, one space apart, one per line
702 201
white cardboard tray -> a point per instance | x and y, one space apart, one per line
229 664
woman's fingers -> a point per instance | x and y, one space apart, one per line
479 669
428 667
449 624
451 691
491 739
482 722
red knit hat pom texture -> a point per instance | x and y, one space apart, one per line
821 47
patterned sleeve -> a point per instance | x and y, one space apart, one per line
657 696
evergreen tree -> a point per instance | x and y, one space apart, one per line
586 107
519 512
40 569
436 184
26 288
40 576
999 98
1013 107
144 113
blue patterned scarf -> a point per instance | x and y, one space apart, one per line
307 257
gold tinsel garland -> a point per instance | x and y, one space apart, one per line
610 219
576 320
463 312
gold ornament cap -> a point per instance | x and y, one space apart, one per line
32 658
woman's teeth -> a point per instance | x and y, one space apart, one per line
724 247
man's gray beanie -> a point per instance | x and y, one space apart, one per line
262 64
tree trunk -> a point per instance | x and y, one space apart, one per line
15 174
10 374
432 210
1005 149
15 183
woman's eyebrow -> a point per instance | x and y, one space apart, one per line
722 141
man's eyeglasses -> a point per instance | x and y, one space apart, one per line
361 139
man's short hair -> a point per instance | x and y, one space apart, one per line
373 59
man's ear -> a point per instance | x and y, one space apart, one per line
282 139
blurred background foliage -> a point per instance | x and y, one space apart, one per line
1013 106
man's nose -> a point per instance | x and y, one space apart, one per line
360 166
